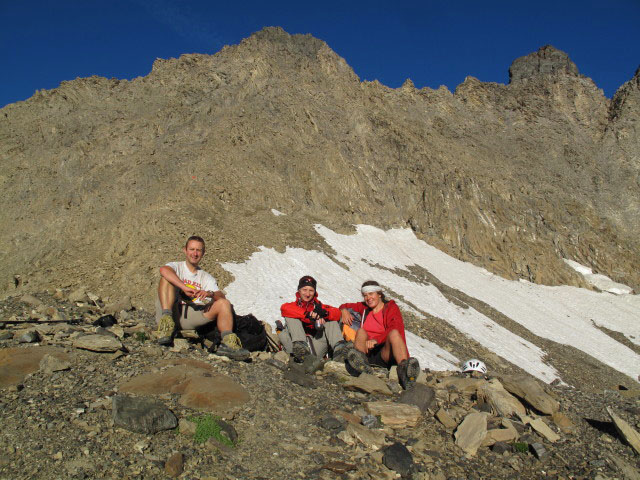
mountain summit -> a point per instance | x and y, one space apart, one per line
103 178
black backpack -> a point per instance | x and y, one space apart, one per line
248 328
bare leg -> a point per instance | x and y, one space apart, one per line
394 344
360 342
220 312
166 294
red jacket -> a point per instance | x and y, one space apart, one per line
299 309
391 316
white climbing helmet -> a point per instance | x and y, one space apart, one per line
474 365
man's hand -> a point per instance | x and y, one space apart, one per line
346 317
200 295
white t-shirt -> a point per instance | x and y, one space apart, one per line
201 280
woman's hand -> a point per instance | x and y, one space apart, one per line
370 344
346 317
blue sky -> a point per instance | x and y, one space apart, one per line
432 42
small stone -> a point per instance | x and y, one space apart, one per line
330 422
370 421
564 424
312 364
282 356
31 300
115 307
543 429
105 321
174 465
300 378
78 296
186 427
339 467
29 337
538 450
398 458
353 434
180 344
6 335
500 448
445 419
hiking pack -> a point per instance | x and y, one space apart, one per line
248 328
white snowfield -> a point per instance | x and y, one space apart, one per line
566 315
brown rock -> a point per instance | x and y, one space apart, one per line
502 402
174 465
98 343
564 424
445 419
199 388
530 391
471 432
462 384
353 434
396 415
625 430
16 362
367 383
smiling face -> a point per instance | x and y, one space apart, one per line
194 251
307 293
372 299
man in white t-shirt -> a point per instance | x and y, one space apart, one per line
189 297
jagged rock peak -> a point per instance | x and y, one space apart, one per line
548 60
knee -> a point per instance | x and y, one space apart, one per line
222 304
394 335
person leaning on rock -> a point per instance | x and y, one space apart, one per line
307 316
189 297
380 339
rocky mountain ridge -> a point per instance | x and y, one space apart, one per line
103 179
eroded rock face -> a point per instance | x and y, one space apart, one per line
510 177
546 61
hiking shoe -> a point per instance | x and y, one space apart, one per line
358 361
231 347
408 372
166 327
300 351
340 351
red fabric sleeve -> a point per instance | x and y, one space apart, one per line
292 310
334 313
358 307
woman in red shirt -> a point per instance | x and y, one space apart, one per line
380 338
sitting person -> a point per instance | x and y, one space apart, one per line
183 302
380 338
308 316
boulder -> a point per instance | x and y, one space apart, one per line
142 415
526 388
420 395
502 402
367 383
397 458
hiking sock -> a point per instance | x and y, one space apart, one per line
166 311
225 333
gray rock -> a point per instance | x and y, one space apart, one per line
6 335
98 343
420 395
29 337
367 383
78 295
312 364
501 447
546 61
398 458
370 421
300 378
118 306
142 415
538 450
331 423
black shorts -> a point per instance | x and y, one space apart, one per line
375 357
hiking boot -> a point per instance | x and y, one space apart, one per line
408 371
300 351
340 351
358 361
231 347
164 333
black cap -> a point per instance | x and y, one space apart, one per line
307 281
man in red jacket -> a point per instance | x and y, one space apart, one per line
380 338
307 316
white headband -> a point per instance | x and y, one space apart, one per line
371 289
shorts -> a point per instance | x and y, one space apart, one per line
185 316
375 357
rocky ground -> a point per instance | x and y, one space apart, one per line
60 419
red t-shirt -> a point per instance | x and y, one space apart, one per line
374 326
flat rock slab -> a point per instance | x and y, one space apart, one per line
354 434
367 383
471 432
462 384
446 419
142 415
628 433
530 391
17 362
200 388
98 343
50 363
397 458
396 415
